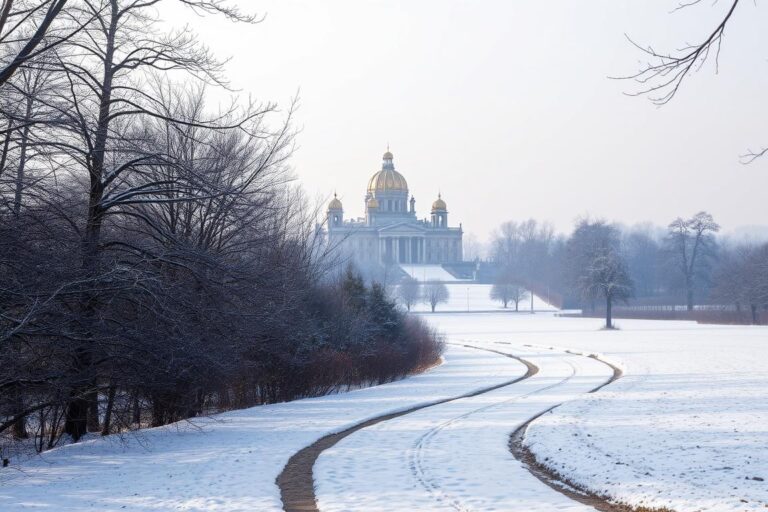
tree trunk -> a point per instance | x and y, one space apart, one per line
753 307
93 410
108 412
6 145
22 161
517 306
19 429
76 418
689 297
136 416
76 423
608 312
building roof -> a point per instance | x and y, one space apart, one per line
335 204
387 179
439 204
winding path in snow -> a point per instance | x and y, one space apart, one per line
296 483
455 455
523 454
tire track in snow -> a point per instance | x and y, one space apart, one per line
296 483
417 466
551 478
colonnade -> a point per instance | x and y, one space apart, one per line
402 249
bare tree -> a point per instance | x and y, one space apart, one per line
590 239
663 76
435 293
606 276
692 245
742 279
507 289
523 251
33 23
644 259
409 291
163 266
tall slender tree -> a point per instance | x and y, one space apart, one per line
691 243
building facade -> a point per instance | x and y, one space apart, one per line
390 232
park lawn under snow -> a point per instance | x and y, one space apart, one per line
685 428
455 456
228 462
477 297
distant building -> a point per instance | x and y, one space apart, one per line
390 232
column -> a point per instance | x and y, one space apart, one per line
411 255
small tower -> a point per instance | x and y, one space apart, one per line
439 213
335 213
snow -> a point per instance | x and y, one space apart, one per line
426 272
477 297
684 428
228 462
455 456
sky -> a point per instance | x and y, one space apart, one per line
507 107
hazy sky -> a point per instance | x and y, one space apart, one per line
506 106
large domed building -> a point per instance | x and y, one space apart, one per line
390 232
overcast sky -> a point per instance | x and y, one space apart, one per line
506 106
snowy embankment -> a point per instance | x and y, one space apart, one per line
686 427
430 272
228 462
477 297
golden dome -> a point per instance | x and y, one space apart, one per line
439 204
387 180
372 203
335 204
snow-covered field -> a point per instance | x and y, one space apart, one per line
477 297
686 427
230 462
455 456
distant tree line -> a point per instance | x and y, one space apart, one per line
156 262
600 264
